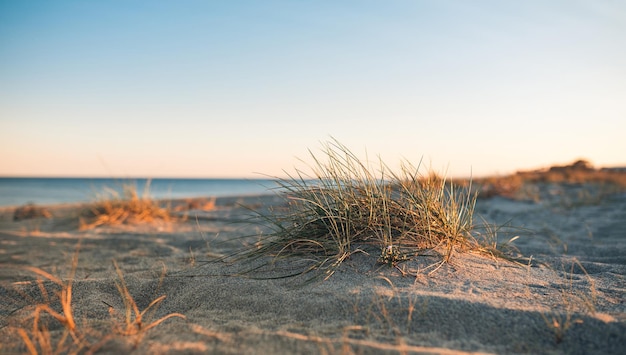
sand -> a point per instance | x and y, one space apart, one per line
569 299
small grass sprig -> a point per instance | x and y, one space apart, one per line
133 324
38 339
78 338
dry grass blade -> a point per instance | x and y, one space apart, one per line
39 340
573 300
32 349
39 336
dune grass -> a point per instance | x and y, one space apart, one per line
347 206
127 207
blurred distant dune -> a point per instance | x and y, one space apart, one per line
580 172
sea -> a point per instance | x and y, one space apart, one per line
17 191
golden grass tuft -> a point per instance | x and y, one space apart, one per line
127 207
348 206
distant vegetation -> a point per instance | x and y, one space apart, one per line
30 211
581 172
127 207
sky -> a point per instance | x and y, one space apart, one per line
215 89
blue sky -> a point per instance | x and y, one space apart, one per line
236 88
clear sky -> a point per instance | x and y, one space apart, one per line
234 88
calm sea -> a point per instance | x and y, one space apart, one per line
43 191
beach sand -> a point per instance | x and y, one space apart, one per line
569 299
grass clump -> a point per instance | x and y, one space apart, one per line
127 207
346 206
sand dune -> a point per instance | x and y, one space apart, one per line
569 299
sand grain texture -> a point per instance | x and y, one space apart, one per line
473 305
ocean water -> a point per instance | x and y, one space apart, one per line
45 191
